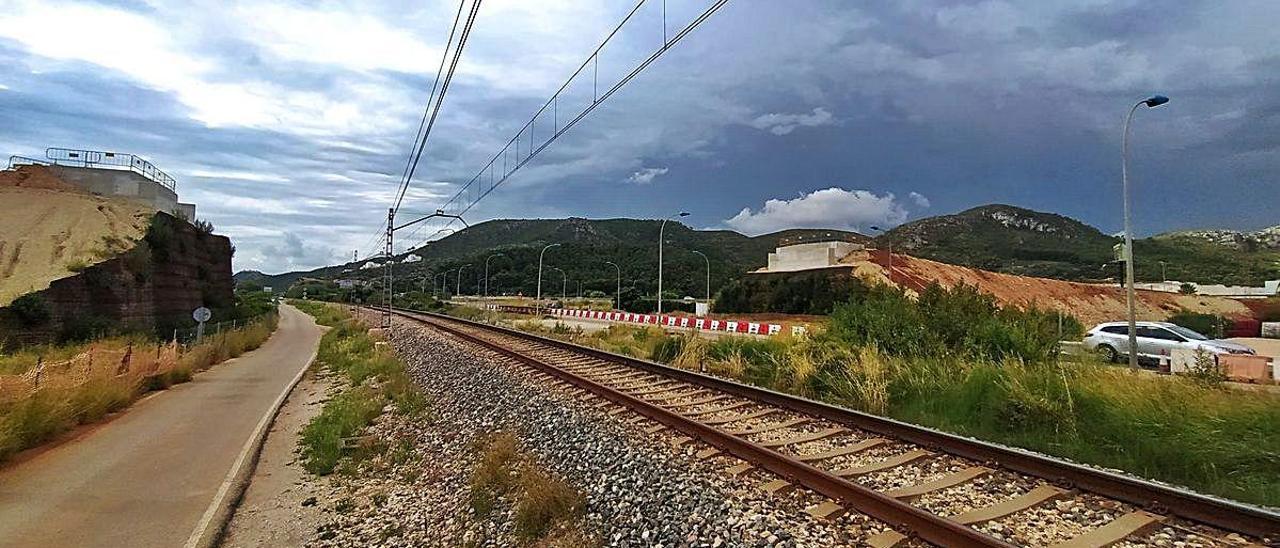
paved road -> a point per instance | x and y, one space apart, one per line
146 478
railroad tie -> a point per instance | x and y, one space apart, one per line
708 452
655 428
885 539
1010 506
950 480
778 487
769 427
805 438
827 510
617 411
721 409
738 469
842 451
742 417
891 462
1114 531
703 401
654 388
697 392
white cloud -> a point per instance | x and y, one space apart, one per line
782 124
352 40
919 199
829 208
647 175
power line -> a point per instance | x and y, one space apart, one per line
482 187
418 139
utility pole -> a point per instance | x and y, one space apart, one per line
457 290
537 302
617 297
1130 297
704 257
662 228
387 293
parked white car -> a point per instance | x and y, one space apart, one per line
1155 339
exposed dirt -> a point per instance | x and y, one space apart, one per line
34 177
45 229
1090 303
279 507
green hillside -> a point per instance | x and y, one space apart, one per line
585 246
1014 240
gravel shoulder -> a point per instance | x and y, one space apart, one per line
275 510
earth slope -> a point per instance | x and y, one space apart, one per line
47 229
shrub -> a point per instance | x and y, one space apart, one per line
31 310
1208 325
958 320
547 502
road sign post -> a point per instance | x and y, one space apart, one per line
200 315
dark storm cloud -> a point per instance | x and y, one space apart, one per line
290 124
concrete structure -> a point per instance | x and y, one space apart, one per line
808 256
116 175
1269 288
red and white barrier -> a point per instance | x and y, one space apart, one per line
687 322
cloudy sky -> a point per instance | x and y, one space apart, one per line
288 123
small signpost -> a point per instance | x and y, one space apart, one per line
200 315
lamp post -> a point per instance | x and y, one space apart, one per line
457 290
537 303
661 229
708 261
564 283
486 275
444 283
1164 276
889 269
617 297
1130 297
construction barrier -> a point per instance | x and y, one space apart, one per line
685 322
138 362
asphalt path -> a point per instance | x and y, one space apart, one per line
147 477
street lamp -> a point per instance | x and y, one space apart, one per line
444 283
617 297
1130 298
890 249
457 290
704 257
537 303
662 228
564 283
486 275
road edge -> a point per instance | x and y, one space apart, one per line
213 524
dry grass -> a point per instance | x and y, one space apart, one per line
547 509
48 412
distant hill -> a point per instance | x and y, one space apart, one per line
1015 240
585 245
1261 240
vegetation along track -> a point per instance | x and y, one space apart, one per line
910 477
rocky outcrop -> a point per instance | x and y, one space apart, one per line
174 269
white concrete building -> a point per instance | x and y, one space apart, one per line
811 255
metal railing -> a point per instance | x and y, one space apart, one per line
15 161
109 160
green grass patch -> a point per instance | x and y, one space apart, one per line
547 510
376 377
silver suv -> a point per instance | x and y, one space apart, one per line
1155 339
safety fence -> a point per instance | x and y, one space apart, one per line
685 322
133 361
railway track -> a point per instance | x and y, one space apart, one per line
918 480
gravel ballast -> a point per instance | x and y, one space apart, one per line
640 489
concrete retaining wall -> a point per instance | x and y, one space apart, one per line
124 184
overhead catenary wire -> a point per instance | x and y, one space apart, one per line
598 98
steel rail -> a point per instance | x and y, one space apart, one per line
1155 497
927 526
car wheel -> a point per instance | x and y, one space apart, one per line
1107 352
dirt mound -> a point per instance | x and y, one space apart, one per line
48 234
1090 303
34 177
